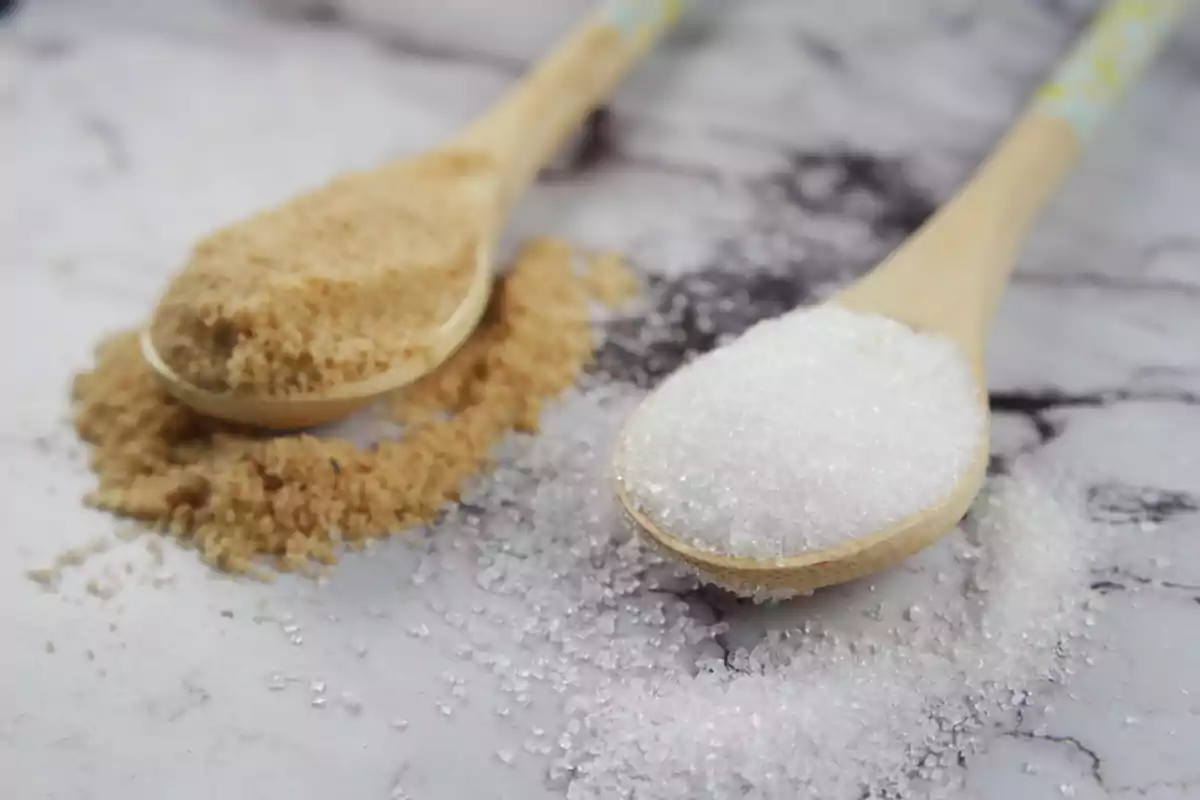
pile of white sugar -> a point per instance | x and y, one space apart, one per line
819 426
664 690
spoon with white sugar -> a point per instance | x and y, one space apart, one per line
307 312
834 442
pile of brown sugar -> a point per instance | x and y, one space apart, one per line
238 495
334 286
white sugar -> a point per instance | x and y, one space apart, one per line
813 428
829 710
663 689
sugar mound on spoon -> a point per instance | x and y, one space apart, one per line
817 427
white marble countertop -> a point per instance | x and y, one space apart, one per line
132 128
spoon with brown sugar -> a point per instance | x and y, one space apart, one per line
307 312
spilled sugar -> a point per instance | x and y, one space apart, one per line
813 428
886 710
666 689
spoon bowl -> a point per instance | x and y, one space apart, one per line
839 563
947 279
289 412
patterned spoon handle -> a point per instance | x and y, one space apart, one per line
959 262
1111 56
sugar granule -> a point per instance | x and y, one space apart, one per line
610 280
334 286
667 690
237 496
810 429
50 576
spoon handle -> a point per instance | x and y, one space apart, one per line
523 130
1109 58
949 276
1066 111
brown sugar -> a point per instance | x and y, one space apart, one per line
334 286
238 496
610 280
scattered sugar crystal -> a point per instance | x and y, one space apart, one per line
812 428
399 724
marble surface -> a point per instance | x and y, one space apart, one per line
774 149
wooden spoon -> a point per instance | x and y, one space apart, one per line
505 147
948 278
